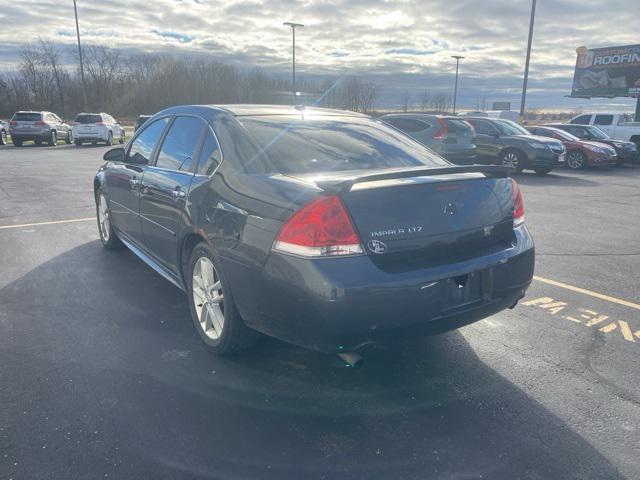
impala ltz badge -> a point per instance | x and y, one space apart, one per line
376 246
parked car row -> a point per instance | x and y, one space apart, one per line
481 139
485 140
47 127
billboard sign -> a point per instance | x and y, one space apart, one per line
501 106
607 72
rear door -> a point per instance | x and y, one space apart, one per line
123 180
165 186
487 140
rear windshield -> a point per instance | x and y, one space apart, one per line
27 117
311 145
458 127
88 118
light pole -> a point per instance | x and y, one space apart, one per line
84 90
526 65
293 31
455 89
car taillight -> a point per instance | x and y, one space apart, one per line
320 228
518 204
442 131
100 123
39 123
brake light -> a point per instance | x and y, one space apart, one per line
320 228
39 123
518 204
99 123
442 131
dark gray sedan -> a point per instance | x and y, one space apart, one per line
324 228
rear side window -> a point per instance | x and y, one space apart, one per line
210 155
327 144
88 118
27 117
581 120
143 146
484 128
180 144
603 120
409 125
458 127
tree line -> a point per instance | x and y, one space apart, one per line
123 84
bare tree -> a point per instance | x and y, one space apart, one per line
405 101
424 100
49 57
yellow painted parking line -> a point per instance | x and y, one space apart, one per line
626 331
57 222
591 293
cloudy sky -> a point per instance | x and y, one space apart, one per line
402 44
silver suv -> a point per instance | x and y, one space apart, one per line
40 127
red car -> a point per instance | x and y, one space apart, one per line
580 153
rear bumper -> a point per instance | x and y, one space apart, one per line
33 135
340 304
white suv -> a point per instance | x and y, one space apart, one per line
97 127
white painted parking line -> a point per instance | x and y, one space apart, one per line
56 222
591 293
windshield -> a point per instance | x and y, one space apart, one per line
562 134
329 144
508 127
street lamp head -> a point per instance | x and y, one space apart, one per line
457 57
292 25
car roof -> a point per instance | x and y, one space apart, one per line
260 110
415 114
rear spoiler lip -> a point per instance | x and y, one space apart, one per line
344 186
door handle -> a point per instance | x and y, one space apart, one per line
134 183
177 194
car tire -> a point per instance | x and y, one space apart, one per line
576 160
109 139
542 171
3 137
213 310
78 143
512 159
52 141
17 142
69 139
38 142
108 236
122 138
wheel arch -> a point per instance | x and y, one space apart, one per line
186 246
635 139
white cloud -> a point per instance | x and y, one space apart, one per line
370 37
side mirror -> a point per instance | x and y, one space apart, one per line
114 155
494 135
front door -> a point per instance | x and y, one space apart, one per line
123 180
487 140
165 187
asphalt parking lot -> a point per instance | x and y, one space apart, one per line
103 375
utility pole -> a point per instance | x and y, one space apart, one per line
455 89
293 31
84 88
526 66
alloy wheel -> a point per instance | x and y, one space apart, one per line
208 298
575 160
511 160
103 217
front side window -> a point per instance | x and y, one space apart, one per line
143 146
180 144
328 144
